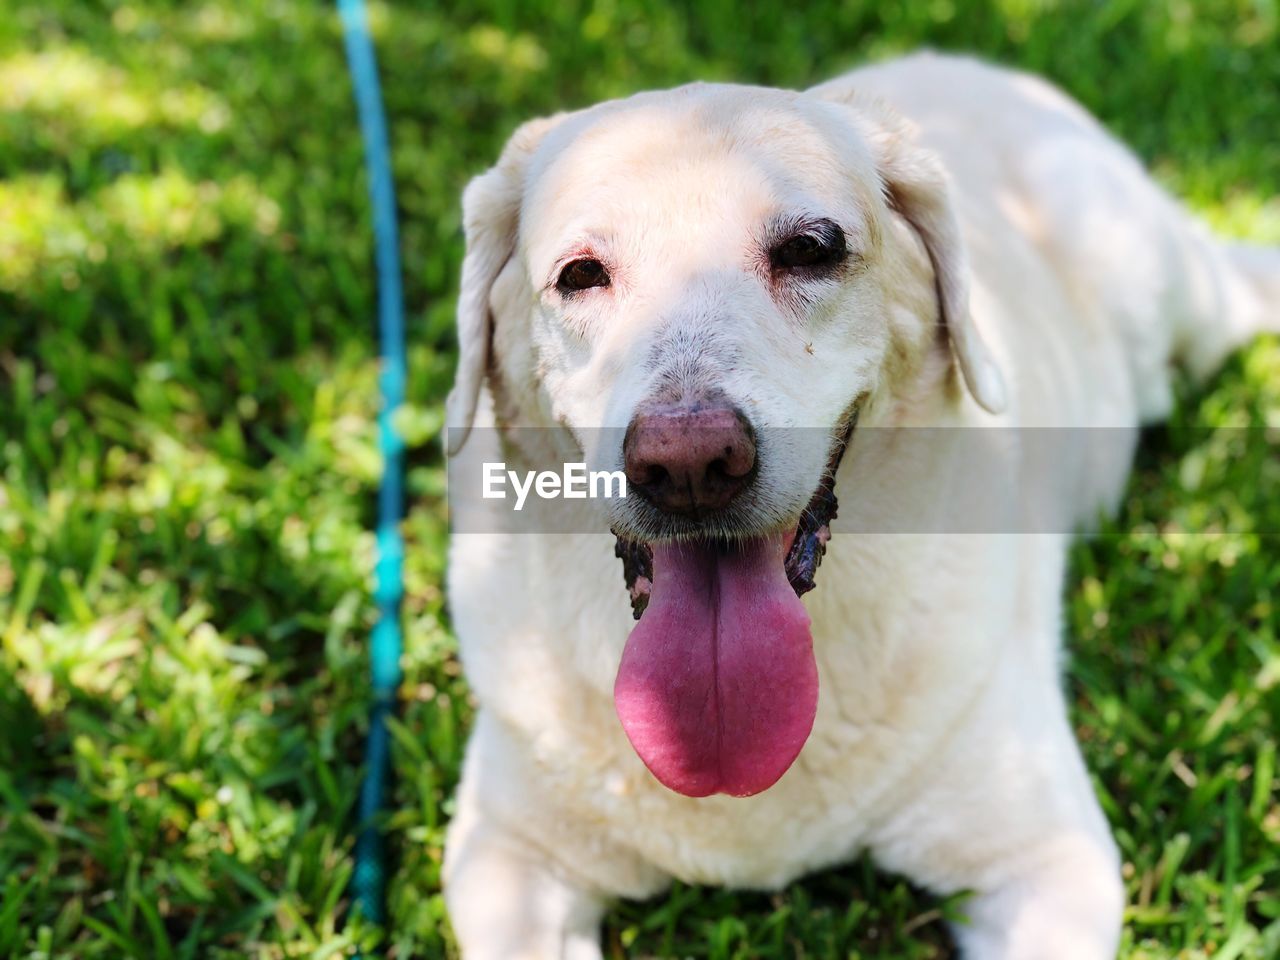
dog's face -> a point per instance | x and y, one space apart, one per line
708 249
722 278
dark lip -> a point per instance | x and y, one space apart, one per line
812 531
739 521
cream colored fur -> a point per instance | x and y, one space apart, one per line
942 743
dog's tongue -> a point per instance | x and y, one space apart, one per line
718 687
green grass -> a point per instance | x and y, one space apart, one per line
187 467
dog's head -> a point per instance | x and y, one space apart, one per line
723 278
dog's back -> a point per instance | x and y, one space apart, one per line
1028 160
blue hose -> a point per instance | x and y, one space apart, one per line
369 879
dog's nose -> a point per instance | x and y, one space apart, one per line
690 458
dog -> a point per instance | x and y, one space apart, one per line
760 303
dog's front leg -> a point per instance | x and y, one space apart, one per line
1010 816
507 904
1068 907
526 878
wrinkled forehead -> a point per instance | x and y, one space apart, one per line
694 162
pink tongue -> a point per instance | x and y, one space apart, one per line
718 687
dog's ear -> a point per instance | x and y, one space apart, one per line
490 218
916 186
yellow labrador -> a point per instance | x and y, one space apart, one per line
755 303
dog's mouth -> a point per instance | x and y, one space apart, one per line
718 687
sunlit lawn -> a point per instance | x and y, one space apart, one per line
187 394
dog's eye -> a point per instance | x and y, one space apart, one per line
582 275
817 249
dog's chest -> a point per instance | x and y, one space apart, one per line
823 811
894 665
802 823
